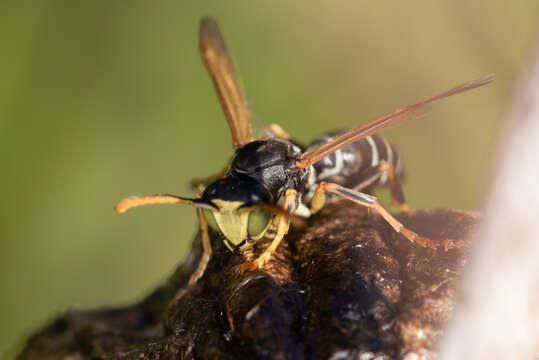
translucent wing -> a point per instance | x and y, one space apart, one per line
229 89
387 120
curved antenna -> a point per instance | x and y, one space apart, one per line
229 89
140 200
384 121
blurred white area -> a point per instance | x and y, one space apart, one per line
498 313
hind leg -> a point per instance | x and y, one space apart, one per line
395 186
372 203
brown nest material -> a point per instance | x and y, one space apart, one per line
344 287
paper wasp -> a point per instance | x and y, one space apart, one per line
272 178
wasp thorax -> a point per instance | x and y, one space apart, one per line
234 211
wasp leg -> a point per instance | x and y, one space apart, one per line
274 131
206 244
395 187
372 203
282 230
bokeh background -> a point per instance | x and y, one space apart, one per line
104 99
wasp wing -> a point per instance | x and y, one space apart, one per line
229 89
384 121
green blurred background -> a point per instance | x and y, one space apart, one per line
104 99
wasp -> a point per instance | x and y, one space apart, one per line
273 179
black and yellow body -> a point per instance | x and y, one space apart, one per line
263 170
273 179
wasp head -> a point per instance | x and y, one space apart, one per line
235 211
240 209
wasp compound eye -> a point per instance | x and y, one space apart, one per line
210 219
258 223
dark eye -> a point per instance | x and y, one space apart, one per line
258 223
210 219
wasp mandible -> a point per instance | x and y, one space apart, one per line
274 178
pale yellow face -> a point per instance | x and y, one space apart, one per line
237 225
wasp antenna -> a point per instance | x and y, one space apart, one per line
384 121
139 200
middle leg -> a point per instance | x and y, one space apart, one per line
283 223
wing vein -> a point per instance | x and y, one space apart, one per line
226 82
390 119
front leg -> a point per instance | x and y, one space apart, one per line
283 224
202 182
206 244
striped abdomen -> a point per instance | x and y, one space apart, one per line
356 166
